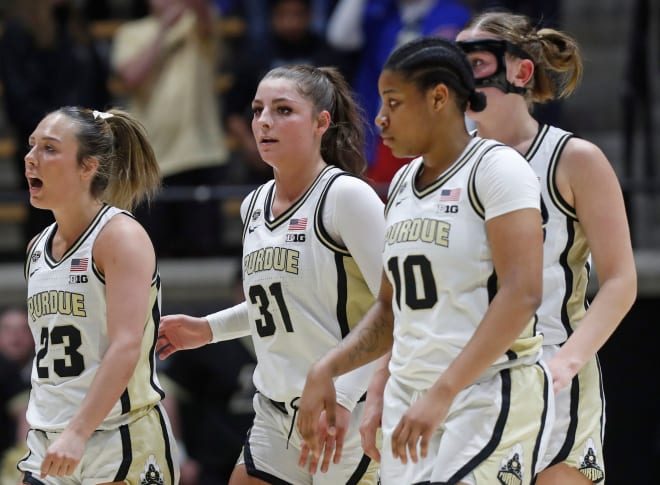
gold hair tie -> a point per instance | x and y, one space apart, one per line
101 114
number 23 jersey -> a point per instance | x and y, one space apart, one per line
67 315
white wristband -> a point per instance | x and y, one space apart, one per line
215 323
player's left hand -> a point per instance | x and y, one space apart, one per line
331 444
63 456
417 425
318 397
562 373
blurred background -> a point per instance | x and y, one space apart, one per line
100 53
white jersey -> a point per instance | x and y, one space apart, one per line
566 252
304 290
439 262
67 315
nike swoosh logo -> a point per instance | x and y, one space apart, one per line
33 272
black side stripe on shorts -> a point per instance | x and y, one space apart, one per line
537 446
252 469
572 426
359 471
126 454
28 478
494 440
168 446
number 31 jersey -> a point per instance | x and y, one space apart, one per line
304 291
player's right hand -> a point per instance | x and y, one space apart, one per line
181 332
371 422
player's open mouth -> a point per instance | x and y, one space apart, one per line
35 183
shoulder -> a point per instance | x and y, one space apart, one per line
122 237
580 156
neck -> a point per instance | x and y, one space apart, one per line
72 223
291 183
514 126
443 156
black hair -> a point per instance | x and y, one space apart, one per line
428 61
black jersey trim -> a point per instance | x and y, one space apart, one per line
536 142
284 216
155 315
568 276
342 295
319 228
553 190
399 185
50 260
30 252
248 215
474 146
475 202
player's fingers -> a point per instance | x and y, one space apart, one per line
304 454
411 445
328 451
339 444
313 463
424 444
331 419
165 351
399 440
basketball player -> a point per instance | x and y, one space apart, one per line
93 307
312 240
517 65
467 399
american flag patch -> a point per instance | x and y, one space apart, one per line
450 195
79 264
298 224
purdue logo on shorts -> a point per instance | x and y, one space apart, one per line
511 470
588 465
152 474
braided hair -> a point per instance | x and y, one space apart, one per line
428 61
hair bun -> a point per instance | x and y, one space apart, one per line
477 101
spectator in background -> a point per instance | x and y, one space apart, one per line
168 64
256 14
290 40
47 59
372 29
16 351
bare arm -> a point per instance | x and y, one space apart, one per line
590 184
516 244
125 255
369 340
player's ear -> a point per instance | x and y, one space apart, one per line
89 167
439 96
524 73
323 121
